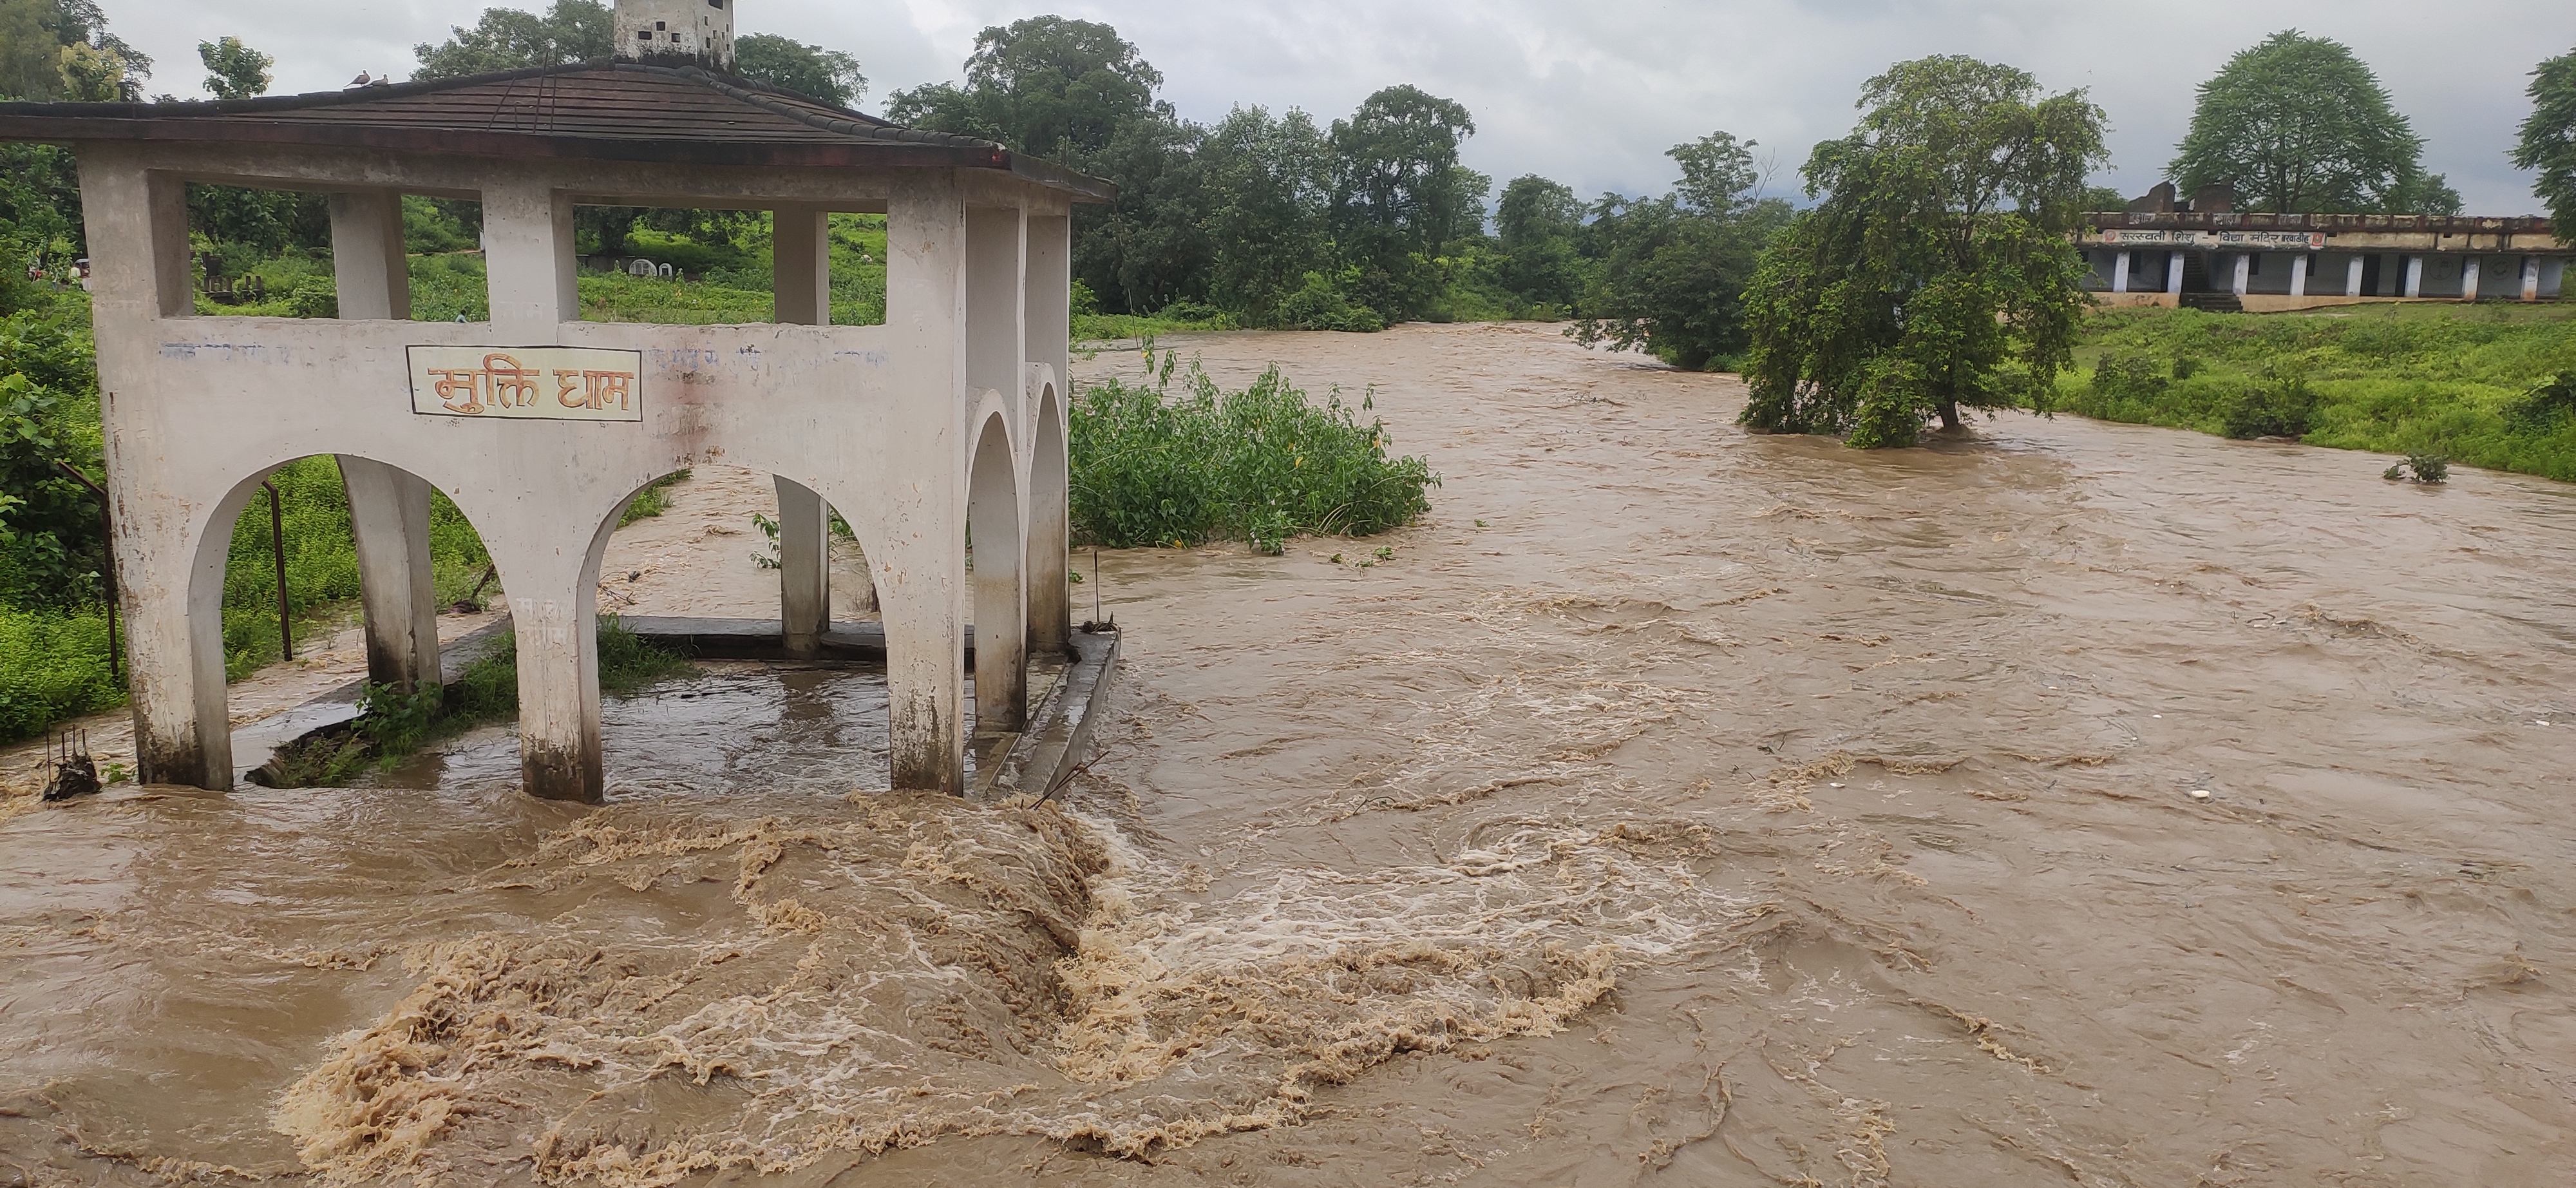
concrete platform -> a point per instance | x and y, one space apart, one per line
1063 712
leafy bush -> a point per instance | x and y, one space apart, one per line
53 665
2547 407
1259 465
2284 406
1326 303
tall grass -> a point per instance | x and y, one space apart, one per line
2456 382
1155 467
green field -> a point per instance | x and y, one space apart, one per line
2440 379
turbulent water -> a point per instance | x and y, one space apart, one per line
1675 804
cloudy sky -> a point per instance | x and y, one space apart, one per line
1588 93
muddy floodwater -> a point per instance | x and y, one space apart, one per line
2073 803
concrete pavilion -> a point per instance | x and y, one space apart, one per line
540 425
2204 252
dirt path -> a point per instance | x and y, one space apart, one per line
1676 805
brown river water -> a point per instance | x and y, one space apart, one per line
1676 805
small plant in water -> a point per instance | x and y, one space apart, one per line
1385 552
769 528
2424 468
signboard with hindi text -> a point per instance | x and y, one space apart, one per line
2276 241
547 383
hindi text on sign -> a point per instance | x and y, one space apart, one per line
540 383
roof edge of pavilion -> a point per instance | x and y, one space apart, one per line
855 139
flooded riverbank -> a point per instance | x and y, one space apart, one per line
1720 809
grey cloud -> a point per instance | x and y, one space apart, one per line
1589 94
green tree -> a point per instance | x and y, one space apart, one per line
55 50
2300 125
234 70
508 39
1269 182
1936 271
808 70
2548 140
1675 268
1077 93
1538 224
1400 194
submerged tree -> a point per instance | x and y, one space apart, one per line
1936 272
2548 140
2301 125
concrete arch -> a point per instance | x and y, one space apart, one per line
1000 604
389 509
1050 598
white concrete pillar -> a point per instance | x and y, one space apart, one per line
2244 265
2173 272
2531 278
389 520
2414 276
2352 277
921 585
173 619
2120 271
388 508
2469 279
804 568
554 619
996 354
2299 275
528 258
528 262
1001 623
1050 287
802 289
368 264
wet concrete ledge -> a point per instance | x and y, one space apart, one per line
1034 762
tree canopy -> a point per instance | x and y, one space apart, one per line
2301 125
53 50
1935 272
808 70
234 70
2548 139
508 39
1673 269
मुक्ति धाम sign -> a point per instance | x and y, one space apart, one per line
528 383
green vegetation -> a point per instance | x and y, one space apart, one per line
1151 467
2548 137
2491 386
1935 273
392 724
1673 269
2298 124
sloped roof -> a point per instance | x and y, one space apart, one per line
608 110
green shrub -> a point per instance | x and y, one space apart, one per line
1259 465
2283 406
1325 303
2546 407
53 665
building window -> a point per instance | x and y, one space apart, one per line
659 26
643 35
715 3
2255 268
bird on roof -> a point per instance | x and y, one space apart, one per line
363 79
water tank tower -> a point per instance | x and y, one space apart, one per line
676 32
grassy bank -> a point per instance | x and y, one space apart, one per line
2445 380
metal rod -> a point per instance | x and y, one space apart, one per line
107 548
277 548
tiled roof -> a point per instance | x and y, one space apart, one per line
604 109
